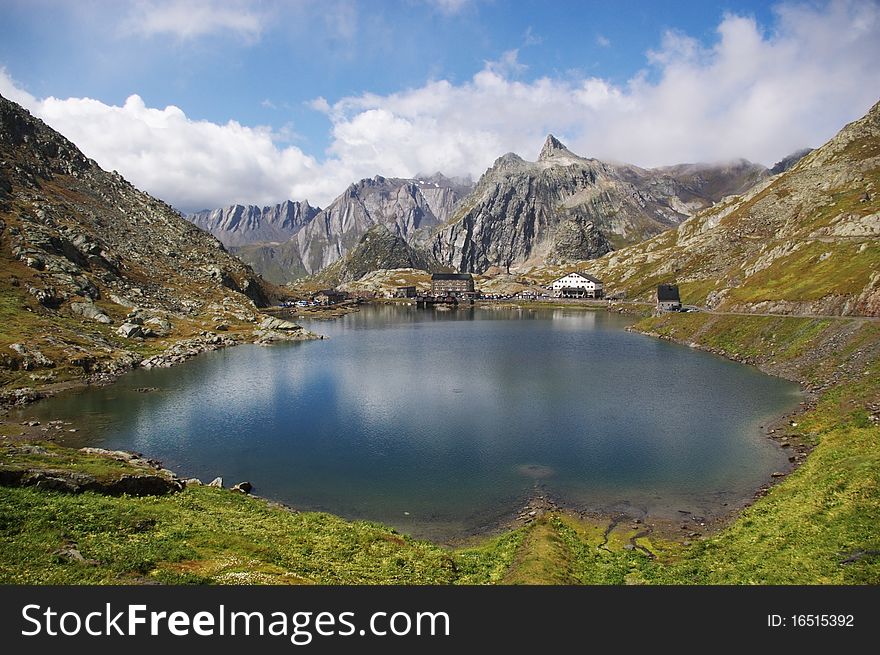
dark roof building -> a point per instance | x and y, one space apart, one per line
452 276
668 298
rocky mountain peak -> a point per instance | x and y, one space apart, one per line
239 225
552 147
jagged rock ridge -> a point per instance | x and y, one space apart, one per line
789 160
402 205
409 208
564 206
240 225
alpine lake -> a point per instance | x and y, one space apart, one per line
445 424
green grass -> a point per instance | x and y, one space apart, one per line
805 276
781 337
211 535
103 469
829 508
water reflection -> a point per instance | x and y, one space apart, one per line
438 422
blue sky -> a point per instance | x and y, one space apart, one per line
206 103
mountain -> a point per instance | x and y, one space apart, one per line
789 160
567 207
239 225
442 192
804 242
89 265
378 249
407 207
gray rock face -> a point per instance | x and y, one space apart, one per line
130 330
239 225
29 358
272 323
140 477
409 208
577 240
566 207
399 204
243 487
788 161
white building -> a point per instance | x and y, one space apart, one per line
577 285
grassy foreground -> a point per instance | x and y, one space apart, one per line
819 526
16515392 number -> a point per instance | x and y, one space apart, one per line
822 620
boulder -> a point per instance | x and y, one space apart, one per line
158 326
31 358
142 485
216 482
130 330
90 311
272 323
243 487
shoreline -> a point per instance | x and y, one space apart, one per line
536 505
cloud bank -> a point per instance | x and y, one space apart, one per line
751 93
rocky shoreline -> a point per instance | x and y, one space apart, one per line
270 330
690 527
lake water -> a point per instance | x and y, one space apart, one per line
445 423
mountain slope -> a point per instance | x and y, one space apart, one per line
378 249
804 242
239 225
279 263
83 253
524 211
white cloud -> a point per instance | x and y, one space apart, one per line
11 90
603 41
188 19
751 93
530 38
191 164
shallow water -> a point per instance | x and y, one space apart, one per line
444 423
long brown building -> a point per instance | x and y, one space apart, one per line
446 284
